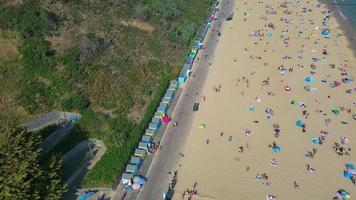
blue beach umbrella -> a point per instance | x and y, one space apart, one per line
269 34
347 175
309 79
315 140
276 149
299 123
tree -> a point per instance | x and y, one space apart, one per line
22 175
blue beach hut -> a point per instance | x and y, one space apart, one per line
150 132
147 139
158 115
156 121
132 169
162 108
143 145
140 153
126 177
153 126
135 160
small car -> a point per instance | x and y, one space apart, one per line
196 106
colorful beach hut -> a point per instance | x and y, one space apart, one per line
162 108
130 168
140 153
143 145
174 83
169 94
126 177
156 120
172 88
158 115
135 160
147 139
182 76
150 132
153 126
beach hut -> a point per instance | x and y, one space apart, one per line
150 132
156 120
153 126
126 177
174 83
143 145
130 168
135 160
169 94
158 115
140 153
147 139
172 88
197 45
162 108
181 78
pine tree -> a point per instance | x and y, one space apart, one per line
22 173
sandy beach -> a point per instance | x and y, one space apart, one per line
279 95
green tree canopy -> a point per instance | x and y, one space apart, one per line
22 174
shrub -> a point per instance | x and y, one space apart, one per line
75 101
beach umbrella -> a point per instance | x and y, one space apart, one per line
166 119
347 174
336 111
202 125
294 102
135 186
307 87
309 79
251 108
315 140
299 123
342 194
269 34
276 149
139 180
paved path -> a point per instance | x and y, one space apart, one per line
98 149
49 119
175 137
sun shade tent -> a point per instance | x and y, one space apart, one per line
150 132
135 160
126 177
162 108
143 145
147 139
140 153
153 126
132 169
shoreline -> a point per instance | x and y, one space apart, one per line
344 24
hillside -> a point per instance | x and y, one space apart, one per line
106 59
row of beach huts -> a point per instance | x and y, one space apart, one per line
136 160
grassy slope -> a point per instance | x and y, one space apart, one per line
51 65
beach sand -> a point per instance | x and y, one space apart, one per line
215 163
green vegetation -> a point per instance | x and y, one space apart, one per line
89 57
23 174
